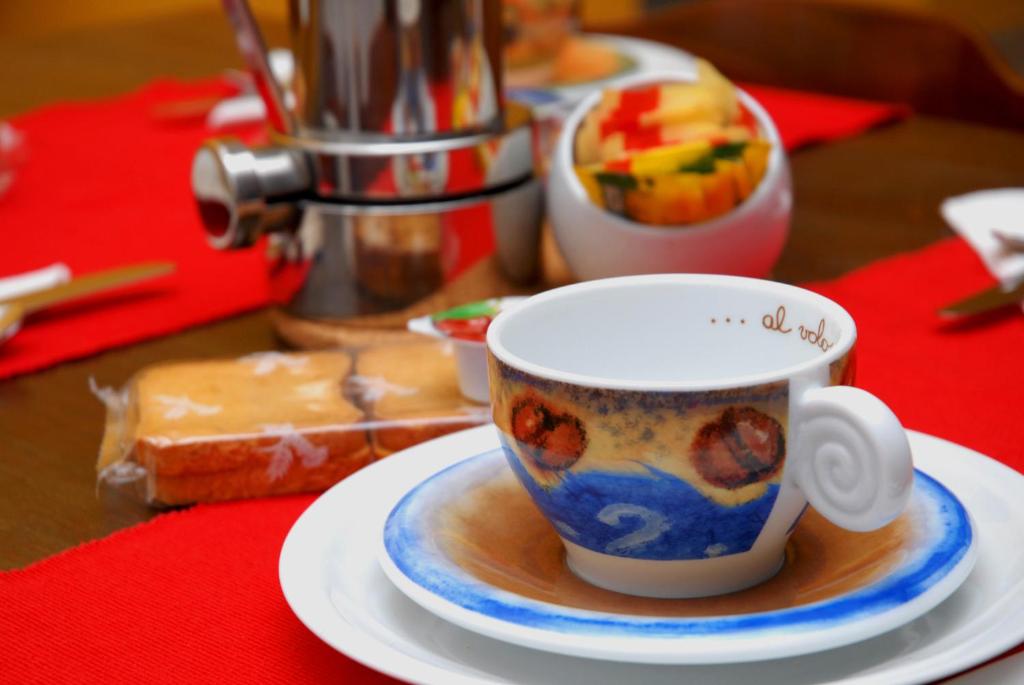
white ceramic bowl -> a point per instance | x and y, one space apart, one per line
746 241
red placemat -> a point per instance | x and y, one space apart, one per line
107 184
809 118
957 380
193 596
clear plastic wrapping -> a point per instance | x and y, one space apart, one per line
274 423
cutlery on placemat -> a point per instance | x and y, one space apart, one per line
1011 240
14 310
984 301
18 285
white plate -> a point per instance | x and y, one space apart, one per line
332 581
645 55
928 567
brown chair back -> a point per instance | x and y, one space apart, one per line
937 65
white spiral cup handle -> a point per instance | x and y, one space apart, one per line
853 460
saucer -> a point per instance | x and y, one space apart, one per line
469 545
331 580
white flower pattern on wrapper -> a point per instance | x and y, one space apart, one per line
654 524
290 444
123 472
268 362
115 400
180 406
373 388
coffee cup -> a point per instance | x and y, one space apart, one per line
674 428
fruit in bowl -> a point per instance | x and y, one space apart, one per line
677 184
670 172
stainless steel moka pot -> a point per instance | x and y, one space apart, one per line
394 165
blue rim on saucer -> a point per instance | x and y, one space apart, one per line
940 559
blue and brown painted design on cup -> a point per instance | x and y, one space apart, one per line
673 428
645 475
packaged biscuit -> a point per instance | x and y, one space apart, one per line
411 394
274 423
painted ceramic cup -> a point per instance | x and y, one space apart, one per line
673 428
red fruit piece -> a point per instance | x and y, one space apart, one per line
465 329
748 122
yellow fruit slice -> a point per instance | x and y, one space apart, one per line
667 159
585 173
755 157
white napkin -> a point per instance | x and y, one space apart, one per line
13 152
34 281
26 283
975 215
248 105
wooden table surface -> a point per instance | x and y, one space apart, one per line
855 201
